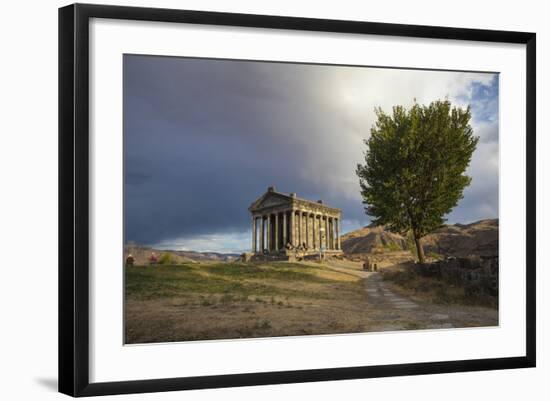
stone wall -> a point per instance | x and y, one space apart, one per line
478 275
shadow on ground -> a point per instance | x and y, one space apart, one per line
49 383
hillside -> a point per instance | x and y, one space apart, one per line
479 238
370 238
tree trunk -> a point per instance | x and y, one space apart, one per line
419 250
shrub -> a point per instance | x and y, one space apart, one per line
165 259
442 290
435 256
392 246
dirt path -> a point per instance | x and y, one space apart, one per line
379 295
388 310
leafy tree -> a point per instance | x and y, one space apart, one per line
415 163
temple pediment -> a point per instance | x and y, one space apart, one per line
269 200
273 200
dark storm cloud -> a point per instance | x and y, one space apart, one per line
203 139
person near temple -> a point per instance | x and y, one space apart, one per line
129 260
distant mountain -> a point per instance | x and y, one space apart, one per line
142 254
479 238
197 256
369 239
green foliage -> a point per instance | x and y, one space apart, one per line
415 163
392 247
165 259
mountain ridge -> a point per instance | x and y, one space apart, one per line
478 238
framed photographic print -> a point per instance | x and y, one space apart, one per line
251 199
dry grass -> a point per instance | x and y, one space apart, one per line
435 290
237 300
207 301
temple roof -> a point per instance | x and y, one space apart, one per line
273 198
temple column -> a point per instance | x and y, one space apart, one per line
327 228
313 233
299 229
304 227
284 230
321 239
327 233
307 230
276 232
331 226
299 236
291 229
338 234
268 233
254 234
321 230
321 225
303 231
262 239
333 233
321 244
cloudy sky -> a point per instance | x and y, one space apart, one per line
204 138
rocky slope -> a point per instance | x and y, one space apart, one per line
371 238
479 238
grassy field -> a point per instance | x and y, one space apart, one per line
216 300
200 301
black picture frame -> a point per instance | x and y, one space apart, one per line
74 192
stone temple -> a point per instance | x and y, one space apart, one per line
287 227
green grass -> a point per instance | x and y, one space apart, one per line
273 271
230 281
